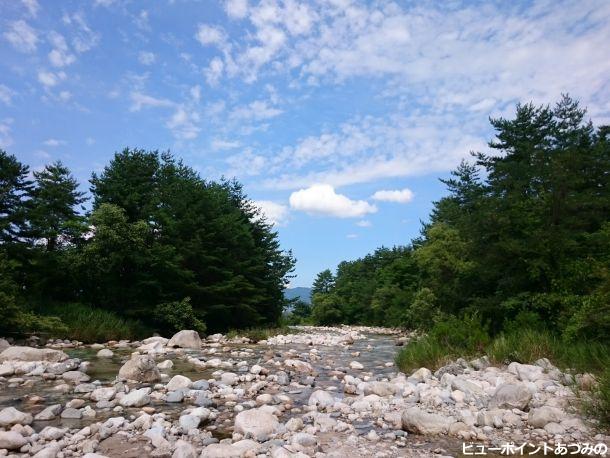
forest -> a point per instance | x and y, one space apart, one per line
156 248
518 251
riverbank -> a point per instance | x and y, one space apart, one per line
316 392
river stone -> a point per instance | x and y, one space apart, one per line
525 372
554 428
236 450
177 382
6 369
72 413
49 413
185 339
304 440
105 353
356 365
50 451
229 378
103 394
540 417
321 399
511 396
298 365
380 389
11 440
4 345
50 433
141 368
188 422
203 400
422 374
32 354
165 365
174 396
256 423
419 421
466 386
75 377
201 385
136 398
184 450
10 416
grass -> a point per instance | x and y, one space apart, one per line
88 324
258 334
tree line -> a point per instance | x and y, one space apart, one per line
159 246
521 240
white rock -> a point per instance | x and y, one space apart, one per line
321 399
165 365
256 423
188 422
49 413
229 378
11 440
356 365
103 394
136 398
177 382
235 450
511 396
418 421
298 365
184 450
51 433
422 374
141 368
185 339
32 354
540 417
105 353
10 416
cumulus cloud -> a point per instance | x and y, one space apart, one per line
273 212
60 55
220 144
214 71
236 9
321 199
364 223
146 58
209 35
184 123
53 142
257 110
23 37
401 196
50 79
32 6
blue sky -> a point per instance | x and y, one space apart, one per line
338 116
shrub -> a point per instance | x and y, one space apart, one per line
423 312
175 316
89 324
258 334
598 405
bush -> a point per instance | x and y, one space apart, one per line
89 324
423 312
598 405
258 334
176 316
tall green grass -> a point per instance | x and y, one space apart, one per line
88 324
258 334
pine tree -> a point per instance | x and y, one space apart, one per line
14 188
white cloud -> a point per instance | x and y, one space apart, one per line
64 96
60 55
184 123
195 92
214 71
220 144
401 196
6 139
140 100
146 58
32 6
352 236
53 142
236 9
105 3
321 199
257 110
210 35
50 79
364 223
6 94
23 37
83 38
274 213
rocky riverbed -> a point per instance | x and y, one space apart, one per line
320 392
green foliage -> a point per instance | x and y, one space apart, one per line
258 334
14 187
300 313
89 324
326 309
423 312
177 315
324 283
598 405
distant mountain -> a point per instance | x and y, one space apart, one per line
298 292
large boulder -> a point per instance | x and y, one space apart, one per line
11 440
136 398
511 396
4 345
257 424
419 421
32 354
141 368
540 417
381 389
11 416
184 450
526 372
185 339
49 413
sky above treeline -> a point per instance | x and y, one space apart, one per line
337 116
